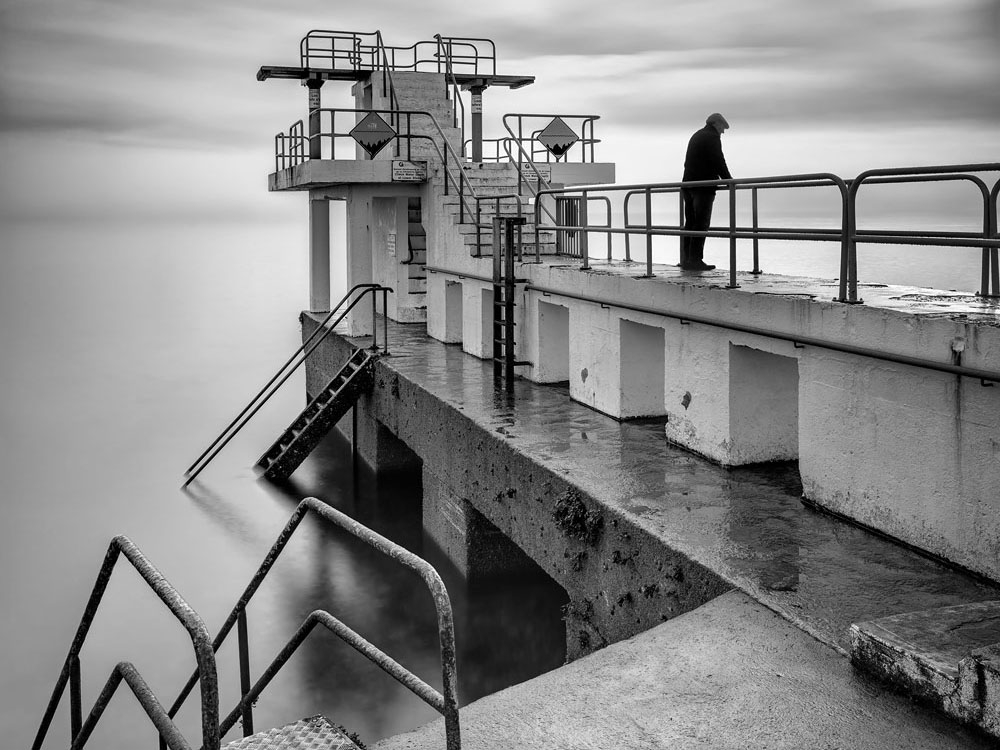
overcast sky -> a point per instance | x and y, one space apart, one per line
150 108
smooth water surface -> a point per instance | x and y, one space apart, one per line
125 350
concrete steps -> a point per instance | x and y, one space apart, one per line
948 657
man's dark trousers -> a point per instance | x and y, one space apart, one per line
697 217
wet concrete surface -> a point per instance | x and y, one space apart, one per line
748 525
911 300
730 674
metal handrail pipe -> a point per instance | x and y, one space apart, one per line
849 260
442 603
182 611
372 289
320 617
289 361
991 376
170 734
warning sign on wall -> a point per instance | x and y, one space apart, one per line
409 171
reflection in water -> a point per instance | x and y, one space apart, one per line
507 631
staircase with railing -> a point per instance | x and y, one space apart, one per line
323 411
306 734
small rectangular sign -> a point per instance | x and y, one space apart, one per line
545 170
409 171
477 104
390 242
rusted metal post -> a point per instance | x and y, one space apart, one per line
245 684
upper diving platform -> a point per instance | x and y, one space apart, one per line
326 55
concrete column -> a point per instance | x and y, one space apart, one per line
477 123
319 254
359 258
315 145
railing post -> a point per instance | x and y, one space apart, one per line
756 241
732 238
245 683
584 240
374 346
680 222
385 320
649 233
75 698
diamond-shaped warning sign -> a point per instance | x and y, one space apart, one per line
373 133
557 137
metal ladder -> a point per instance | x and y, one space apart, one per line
504 291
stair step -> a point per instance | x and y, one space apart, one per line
315 733
948 657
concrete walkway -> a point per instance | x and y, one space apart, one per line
730 674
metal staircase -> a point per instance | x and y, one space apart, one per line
319 416
339 394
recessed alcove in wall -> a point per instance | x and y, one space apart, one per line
642 370
553 343
452 312
763 405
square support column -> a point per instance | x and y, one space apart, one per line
359 258
319 254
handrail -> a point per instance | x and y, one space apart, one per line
305 349
364 48
455 90
650 230
445 703
953 172
200 639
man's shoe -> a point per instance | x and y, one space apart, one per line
697 265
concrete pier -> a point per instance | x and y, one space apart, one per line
635 529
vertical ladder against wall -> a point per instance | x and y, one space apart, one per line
319 416
504 291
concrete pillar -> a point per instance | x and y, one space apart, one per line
477 548
315 144
319 254
359 258
477 123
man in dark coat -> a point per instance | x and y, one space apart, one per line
704 161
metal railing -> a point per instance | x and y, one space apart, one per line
455 177
444 702
446 50
846 233
354 295
323 49
170 735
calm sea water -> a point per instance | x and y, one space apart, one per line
124 351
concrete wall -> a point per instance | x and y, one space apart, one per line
619 580
909 451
